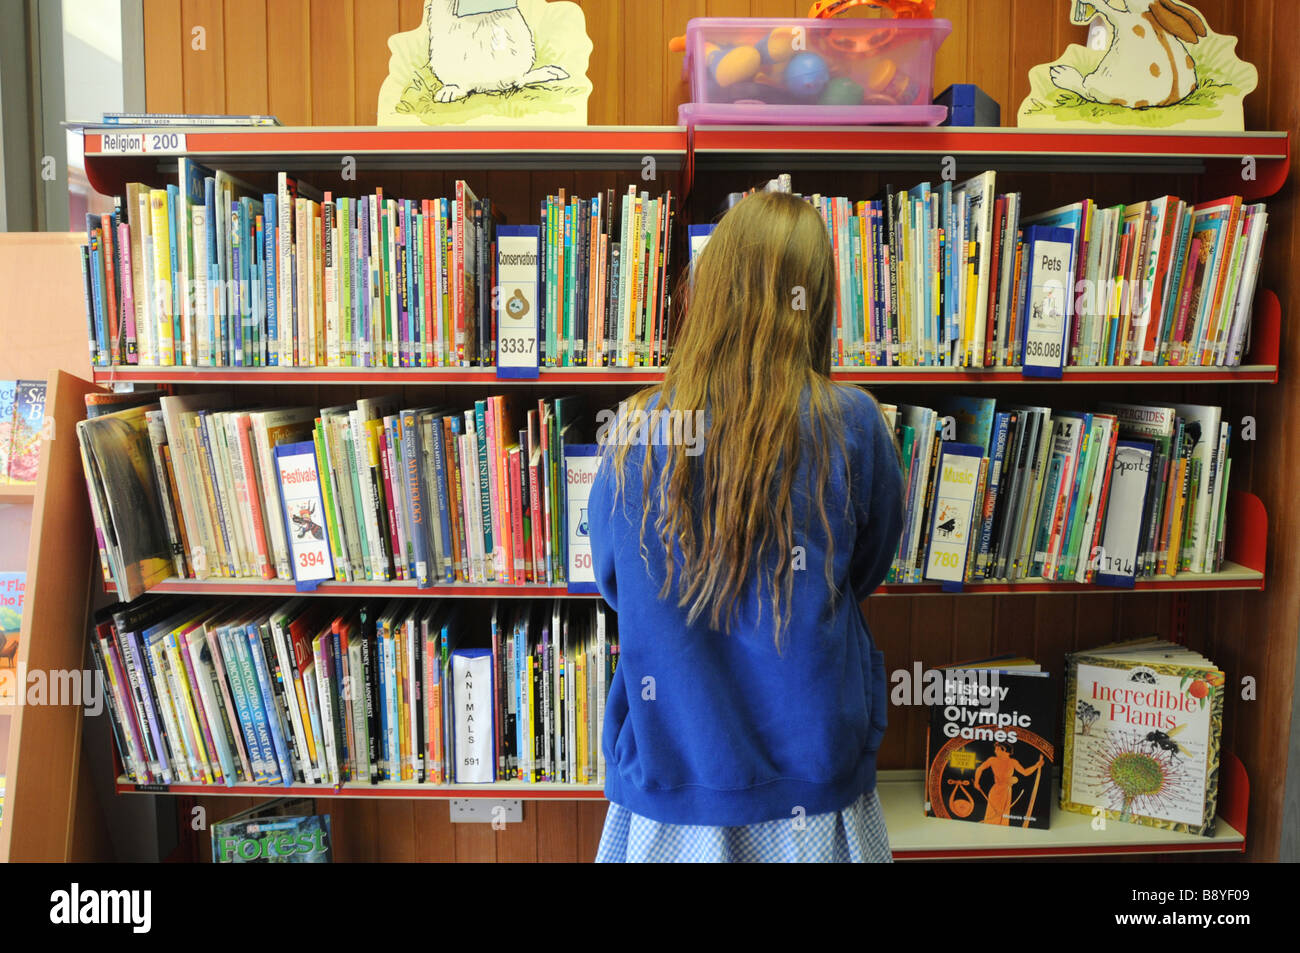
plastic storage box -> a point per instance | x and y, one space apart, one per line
853 71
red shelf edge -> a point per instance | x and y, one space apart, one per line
256 587
1256 373
437 792
1247 542
1234 793
1266 330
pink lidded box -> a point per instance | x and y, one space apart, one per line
849 71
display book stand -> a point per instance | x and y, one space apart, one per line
690 157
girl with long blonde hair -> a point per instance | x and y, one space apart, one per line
749 700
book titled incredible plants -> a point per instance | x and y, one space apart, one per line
1143 722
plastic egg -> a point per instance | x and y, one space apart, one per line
778 47
841 91
806 75
737 65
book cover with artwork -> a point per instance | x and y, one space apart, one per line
284 831
28 425
125 498
991 744
1143 722
13 587
7 391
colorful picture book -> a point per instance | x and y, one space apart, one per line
1143 725
1109 496
125 503
211 272
318 691
991 744
22 425
283 831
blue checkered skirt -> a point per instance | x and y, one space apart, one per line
855 834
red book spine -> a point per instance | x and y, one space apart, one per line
128 292
516 518
249 498
539 527
1090 568
458 273
109 246
426 239
1191 283
452 452
995 271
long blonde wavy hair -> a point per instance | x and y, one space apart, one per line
754 349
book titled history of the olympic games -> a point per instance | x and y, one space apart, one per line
991 744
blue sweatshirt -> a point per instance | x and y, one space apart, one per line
702 727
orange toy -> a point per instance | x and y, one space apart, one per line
873 40
902 9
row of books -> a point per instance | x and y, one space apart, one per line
311 691
211 272
945 276
22 425
1008 491
1139 743
184 487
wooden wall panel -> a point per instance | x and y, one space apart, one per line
318 61
203 64
309 57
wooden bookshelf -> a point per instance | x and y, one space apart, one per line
912 835
17 492
50 813
718 155
638 84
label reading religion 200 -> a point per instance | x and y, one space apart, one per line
142 143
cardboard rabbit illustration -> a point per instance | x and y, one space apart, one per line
1147 64
487 62
482 52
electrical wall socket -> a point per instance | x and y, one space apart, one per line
477 810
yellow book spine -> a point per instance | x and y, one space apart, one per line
581 716
164 295
531 739
310 737
972 290
403 709
185 705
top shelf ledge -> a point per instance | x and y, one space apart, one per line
722 148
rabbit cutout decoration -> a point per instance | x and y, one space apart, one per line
489 62
482 52
1157 64
1151 35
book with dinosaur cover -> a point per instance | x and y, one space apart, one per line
1143 722
991 744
